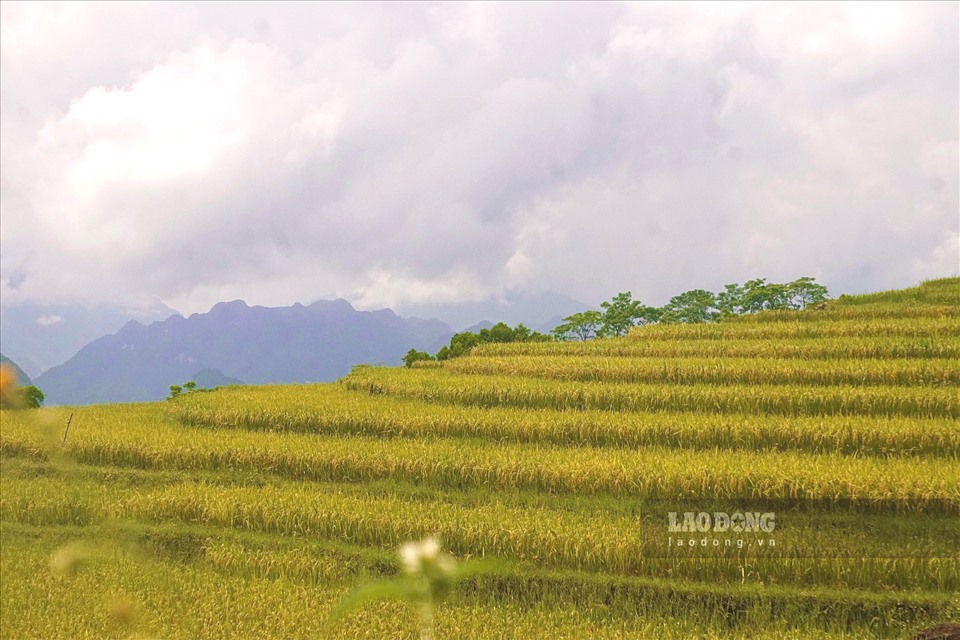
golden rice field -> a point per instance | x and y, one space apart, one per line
249 512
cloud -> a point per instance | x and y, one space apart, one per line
419 153
49 320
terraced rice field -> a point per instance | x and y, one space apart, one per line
249 512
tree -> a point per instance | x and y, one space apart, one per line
623 312
13 396
462 343
521 333
696 305
499 332
580 326
415 356
806 291
760 296
730 301
177 390
29 397
32 397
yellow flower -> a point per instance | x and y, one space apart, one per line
8 378
8 386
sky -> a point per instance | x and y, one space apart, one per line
396 153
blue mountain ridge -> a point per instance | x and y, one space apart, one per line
258 345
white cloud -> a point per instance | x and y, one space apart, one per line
49 320
941 261
420 153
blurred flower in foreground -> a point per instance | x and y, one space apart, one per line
7 377
415 554
122 610
67 560
431 574
13 396
8 385
428 575
425 560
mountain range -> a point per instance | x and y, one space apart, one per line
22 378
237 342
39 336
83 354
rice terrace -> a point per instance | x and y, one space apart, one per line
784 474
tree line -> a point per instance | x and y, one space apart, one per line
461 343
617 316
13 396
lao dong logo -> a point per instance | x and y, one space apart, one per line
723 523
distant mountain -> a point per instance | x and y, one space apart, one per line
40 336
541 311
477 328
209 378
258 345
22 378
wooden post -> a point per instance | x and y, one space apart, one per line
65 431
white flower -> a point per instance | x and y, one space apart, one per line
415 554
430 549
410 556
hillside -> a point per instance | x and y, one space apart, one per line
249 512
40 336
258 345
22 378
942 291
